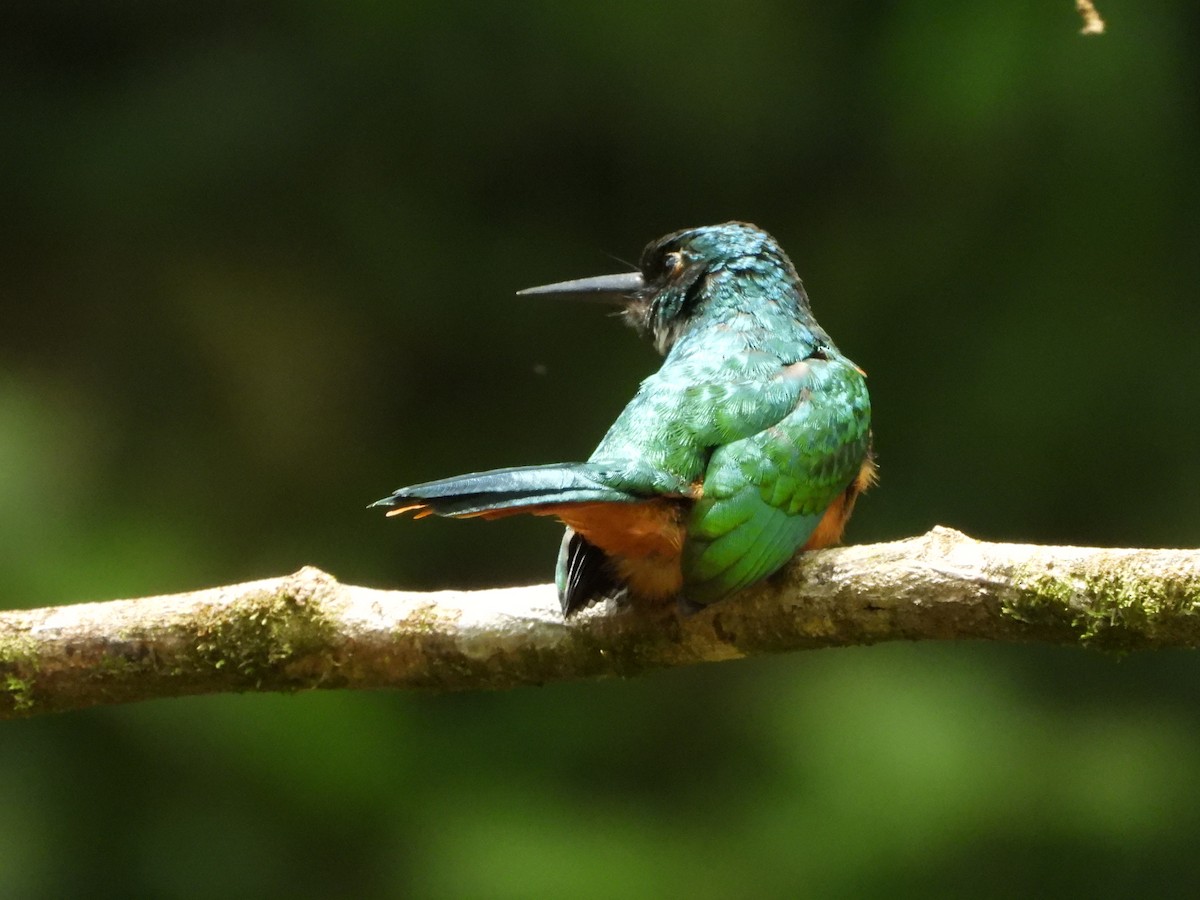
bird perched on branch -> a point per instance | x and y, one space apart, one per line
752 441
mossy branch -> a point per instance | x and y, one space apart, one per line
306 630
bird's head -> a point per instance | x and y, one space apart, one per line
674 287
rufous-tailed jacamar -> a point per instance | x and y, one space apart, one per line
751 442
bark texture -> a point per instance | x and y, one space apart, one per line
307 630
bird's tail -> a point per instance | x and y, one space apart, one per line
504 492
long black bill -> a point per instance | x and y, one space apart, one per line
602 287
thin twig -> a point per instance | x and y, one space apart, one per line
1092 22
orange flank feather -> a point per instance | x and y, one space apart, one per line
650 528
829 530
643 539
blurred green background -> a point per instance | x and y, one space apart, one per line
257 269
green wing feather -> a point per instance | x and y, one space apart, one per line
772 442
765 494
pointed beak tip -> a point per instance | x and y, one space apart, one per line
597 287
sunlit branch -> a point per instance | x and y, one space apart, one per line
306 630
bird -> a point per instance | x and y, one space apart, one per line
750 443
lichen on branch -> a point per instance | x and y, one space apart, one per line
307 631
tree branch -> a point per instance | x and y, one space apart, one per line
307 631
